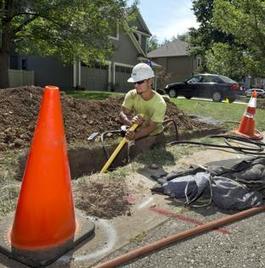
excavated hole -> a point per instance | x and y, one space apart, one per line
87 160
82 160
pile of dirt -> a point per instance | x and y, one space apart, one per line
101 197
19 109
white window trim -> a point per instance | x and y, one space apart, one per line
117 37
114 69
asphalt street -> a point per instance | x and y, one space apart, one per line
242 247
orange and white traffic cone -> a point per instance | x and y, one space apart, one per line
247 124
45 225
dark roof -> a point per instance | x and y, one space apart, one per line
171 49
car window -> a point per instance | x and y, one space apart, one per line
227 79
194 79
207 78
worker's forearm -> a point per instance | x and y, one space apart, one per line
143 132
125 119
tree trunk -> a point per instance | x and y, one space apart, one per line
6 37
4 64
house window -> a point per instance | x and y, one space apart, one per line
24 64
199 62
14 62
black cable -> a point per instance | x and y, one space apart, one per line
102 140
242 149
102 136
239 138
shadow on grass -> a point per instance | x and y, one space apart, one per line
159 156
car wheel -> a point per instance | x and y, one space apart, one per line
217 96
172 93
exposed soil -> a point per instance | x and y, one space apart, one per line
19 109
101 197
104 198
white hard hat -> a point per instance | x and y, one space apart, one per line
140 72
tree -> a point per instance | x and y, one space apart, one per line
203 38
61 28
245 20
227 60
152 43
184 37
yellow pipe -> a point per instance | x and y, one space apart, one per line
117 150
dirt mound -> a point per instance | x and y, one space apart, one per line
103 198
19 109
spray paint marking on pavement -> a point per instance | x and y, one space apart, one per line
109 244
184 218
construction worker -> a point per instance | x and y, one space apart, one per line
145 107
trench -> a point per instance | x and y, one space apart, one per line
89 159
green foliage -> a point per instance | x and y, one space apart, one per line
226 60
184 37
231 36
152 43
245 20
207 34
62 28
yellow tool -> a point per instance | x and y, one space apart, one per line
117 150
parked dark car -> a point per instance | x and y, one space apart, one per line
213 86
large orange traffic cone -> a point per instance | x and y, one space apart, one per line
44 226
45 212
247 124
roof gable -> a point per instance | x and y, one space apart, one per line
171 49
138 22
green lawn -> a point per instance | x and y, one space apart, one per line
220 111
